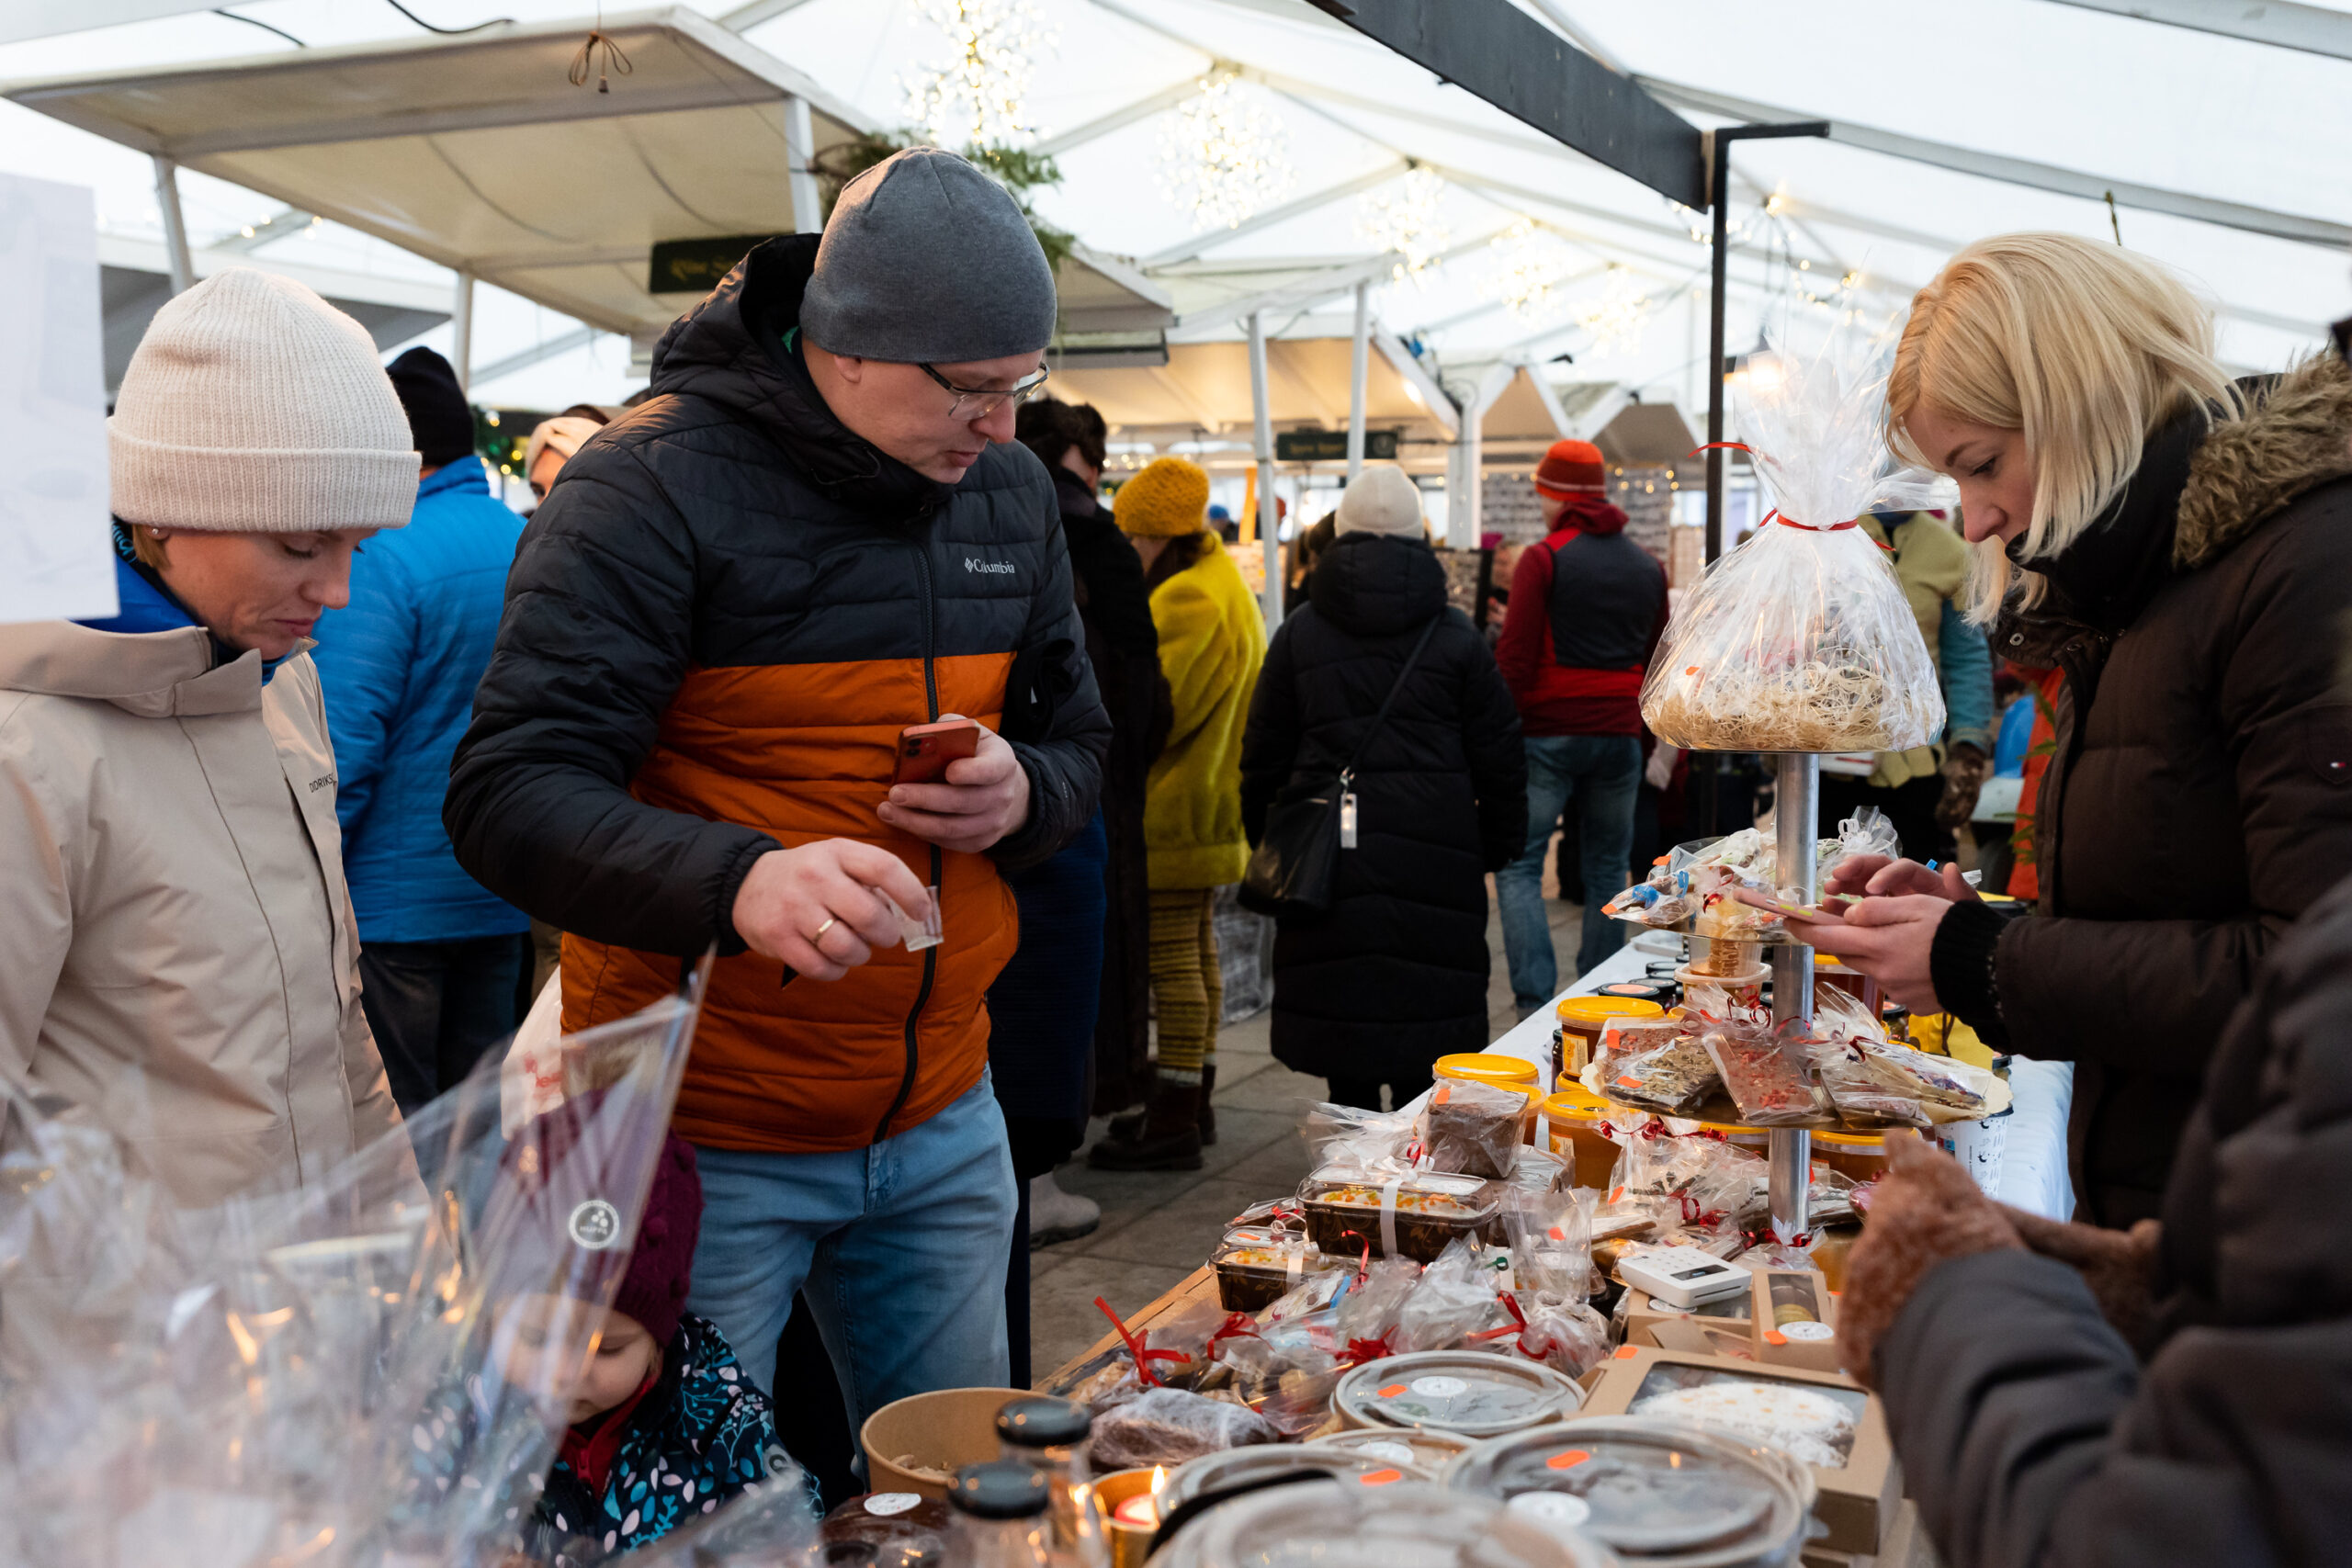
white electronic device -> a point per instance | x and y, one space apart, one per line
1682 1275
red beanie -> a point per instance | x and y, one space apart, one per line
559 1163
1571 469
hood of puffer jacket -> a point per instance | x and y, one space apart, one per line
150 674
2198 492
729 350
1376 584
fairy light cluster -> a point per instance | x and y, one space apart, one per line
1529 266
1616 316
1225 157
978 96
1402 218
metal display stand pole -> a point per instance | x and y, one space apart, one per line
1796 817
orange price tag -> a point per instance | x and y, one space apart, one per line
1625 1352
1381 1477
1444 1092
1616 1194
1392 1390
1559 1234
1568 1460
1774 1336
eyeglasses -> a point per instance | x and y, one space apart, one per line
974 402
2342 333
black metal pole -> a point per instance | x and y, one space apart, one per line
1719 271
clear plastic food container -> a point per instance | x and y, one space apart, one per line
1472 1394
1430 1448
1658 1493
1240 1467
1415 1216
1329 1524
1256 1274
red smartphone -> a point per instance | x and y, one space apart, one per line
925 750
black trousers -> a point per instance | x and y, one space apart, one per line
436 1007
1364 1094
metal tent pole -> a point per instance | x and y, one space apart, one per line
800 152
1796 816
1359 369
1269 527
175 250
461 330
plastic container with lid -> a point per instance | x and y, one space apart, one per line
1502 1072
1861 1156
1422 1446
1472 1393
1577 1117
1583 1018
887 1529
1414 1216
1409 1525
1050 1436
1242 1467
1660 1493
1256 1274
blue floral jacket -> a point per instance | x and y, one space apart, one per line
704 1434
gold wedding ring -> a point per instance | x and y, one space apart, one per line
817 935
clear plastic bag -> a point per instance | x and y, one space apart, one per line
1455 1302
1874 1080
1801 640
1766 1069
1672 1077
1169 1426
1474 1128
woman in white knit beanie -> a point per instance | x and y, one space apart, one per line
178 950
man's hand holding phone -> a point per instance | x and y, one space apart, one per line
820 908
1880 916
982 798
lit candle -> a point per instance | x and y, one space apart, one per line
1141 1510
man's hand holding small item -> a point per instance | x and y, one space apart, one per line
986 796
820 908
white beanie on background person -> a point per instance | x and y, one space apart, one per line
253 406
1382 501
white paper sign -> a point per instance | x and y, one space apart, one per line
56 556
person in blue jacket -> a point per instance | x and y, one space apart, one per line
440 957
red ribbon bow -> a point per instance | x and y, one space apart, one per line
1359 1351
1776 514
1236 1325
1143 1353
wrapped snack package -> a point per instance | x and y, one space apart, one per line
1672 1077
1169 1426
1404 1213
1801 640
1252 1275
1767 1069
1474 1128
1873 1081
1366 1140
1456 1301
1564 1333
1813 1426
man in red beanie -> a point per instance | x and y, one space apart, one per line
1587 608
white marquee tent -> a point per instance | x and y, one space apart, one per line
1555 289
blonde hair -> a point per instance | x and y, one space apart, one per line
147 548
2084 347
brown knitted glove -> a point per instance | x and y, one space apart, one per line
1925 1210
2118 1266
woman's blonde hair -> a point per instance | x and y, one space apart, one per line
2084 347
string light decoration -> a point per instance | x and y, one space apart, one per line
1530 267
1226 156
1402 218
979 96
1616 316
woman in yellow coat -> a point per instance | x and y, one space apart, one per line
1212 640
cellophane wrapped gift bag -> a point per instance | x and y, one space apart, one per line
1801 640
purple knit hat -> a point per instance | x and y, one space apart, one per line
660 1269
562 1183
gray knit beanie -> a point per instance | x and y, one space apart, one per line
928 260
253 406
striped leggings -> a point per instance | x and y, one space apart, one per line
1185 985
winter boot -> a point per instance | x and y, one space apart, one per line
1055 1216
1170 1138
1127 1125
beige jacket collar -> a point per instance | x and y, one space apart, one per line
148 675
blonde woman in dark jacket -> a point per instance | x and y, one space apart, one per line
2176 543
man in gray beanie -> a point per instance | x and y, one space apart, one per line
817 535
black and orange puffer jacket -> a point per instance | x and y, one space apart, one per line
715 626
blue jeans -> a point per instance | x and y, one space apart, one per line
1600 777
901 1247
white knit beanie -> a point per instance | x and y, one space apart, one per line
254 406
1382 501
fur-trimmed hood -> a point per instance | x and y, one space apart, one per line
2296 432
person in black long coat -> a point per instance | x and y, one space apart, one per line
1395 975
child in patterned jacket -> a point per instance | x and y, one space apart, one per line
665 1425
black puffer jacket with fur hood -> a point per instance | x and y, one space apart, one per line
2200 796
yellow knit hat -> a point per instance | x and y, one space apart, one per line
1168 500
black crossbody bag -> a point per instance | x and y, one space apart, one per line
1296 866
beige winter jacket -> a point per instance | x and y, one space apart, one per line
177 950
